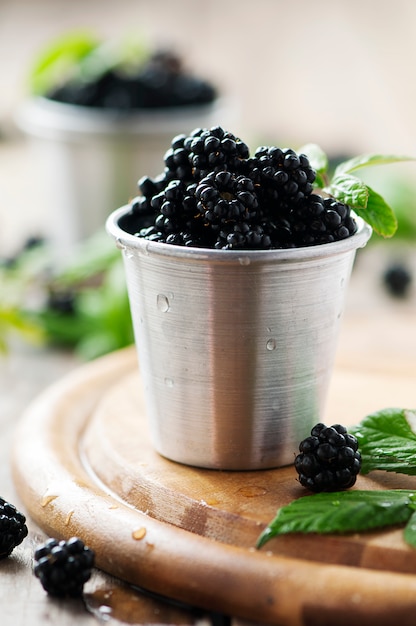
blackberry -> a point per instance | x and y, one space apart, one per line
283 176
62 301
13 528
316 220
63 566
223 197
177 159
228 205
242 236
175 210
214 150
329 459
397 280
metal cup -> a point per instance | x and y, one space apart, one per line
89 158
236 348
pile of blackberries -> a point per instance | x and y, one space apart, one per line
213 194
161 82
328 460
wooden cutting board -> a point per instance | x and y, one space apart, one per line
83 465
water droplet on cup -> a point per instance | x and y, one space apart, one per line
162 303
169 382
271 344
244 260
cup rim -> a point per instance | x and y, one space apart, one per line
39 115
127 241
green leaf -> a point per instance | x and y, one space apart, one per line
349 190
93 259
341 512
317 157
367 160
59 60
318 160
387 441
16 321
409 534
378 214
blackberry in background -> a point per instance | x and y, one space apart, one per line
63 567
62 301
397 280
161 82
13 528
329 459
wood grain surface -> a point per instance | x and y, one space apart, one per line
84 465
376 367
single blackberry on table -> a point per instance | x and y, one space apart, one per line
13 528
329 459
63 567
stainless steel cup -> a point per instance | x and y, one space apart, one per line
235 348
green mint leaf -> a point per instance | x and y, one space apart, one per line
317 157
378 214
59 60
349 190
341 512
367 160
409 534
387 441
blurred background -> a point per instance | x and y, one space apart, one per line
339 73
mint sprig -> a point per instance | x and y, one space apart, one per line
346 187
387 442
344 512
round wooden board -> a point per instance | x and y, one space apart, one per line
83 465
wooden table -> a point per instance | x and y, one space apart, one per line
378 340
